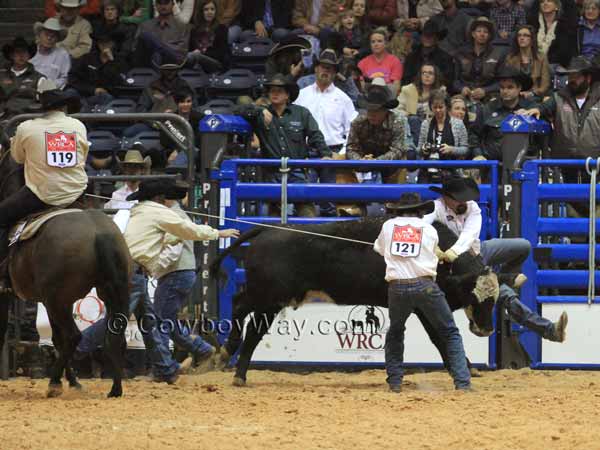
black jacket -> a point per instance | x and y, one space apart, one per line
88 73
219 49
122 33
253 10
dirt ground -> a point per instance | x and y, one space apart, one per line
509 410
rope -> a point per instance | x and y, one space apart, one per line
593 172
293 230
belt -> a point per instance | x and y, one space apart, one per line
412 280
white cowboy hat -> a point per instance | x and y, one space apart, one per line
70 3
51 24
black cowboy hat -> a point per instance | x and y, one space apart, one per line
433 28
378 96
512 73
579 64
484 22
53 98
19 43
410 201
328 56
178 190
151 188
290 42
161 63
458 188
286 82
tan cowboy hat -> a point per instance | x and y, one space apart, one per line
134 157
70 3
51 24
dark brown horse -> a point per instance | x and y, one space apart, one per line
69 255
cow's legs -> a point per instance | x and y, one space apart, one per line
257 328
241 309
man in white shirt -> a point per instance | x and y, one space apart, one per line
132 164
409 246
458 210
333 111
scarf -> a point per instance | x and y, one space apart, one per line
545 36
447 136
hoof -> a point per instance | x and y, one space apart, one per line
239 382
475 373
76 385
115 393
54 390
221 359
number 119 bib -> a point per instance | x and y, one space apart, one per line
406 241
61 149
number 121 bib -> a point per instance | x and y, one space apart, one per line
406 241
61 149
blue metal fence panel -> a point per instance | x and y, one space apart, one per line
233 192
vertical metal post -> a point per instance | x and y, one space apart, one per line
284 170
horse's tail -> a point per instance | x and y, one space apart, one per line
246 236
113 271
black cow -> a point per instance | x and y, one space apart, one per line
283 267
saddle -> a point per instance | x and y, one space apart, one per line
28 227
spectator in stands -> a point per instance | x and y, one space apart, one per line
96 75
184 101
381 64
51 61
507 15
316 17
18 79
414 98
89 8
351 34
163 35
265 18
333 111
456 22
183 10
286 57
487 134
553 18
428 51
361 13
379 134
132 164
209 39
524 56
588 32
137 11
158 95
576 113
441 137
231 17
382 12
122 33
78 41
412 14
478 62
285 129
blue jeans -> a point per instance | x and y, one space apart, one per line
425 296
524 316
171 293
139 303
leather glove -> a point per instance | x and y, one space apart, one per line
450 255
440 254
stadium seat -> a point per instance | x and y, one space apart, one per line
251 54
217 106
196 79
103 141
135 82
233 83
149 139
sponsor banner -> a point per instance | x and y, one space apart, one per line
326 333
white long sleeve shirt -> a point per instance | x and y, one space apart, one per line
408 247
332 109
54 65
145 232
466 226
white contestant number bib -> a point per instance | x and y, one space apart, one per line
61 149
406 241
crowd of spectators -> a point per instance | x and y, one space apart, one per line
452 69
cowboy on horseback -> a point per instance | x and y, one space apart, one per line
53 149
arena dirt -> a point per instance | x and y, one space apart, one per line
510 410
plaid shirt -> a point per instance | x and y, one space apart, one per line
507 19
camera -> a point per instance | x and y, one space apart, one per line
431 152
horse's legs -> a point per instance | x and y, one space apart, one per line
65 340
74 336
257 328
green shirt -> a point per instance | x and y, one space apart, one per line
291 135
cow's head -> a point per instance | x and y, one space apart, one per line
474 287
